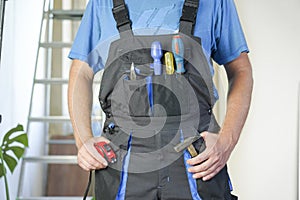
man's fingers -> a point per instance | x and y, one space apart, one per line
89 145
206 170
199 158
207 153
96 156
203 169
88 167
85 165
207 164
89 159
82 166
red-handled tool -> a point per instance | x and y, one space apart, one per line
106 151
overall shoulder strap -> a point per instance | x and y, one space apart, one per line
121 15
188 17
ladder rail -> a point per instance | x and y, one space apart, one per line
2 12
20 184
47 94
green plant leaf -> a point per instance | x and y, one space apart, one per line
10 161
18 151
11 131
2 172
23 139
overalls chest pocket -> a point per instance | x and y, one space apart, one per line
149 95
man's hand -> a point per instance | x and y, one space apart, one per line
88 157
207 164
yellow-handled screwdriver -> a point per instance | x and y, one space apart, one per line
169 60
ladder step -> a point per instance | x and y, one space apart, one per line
52 81
57 119
57 81
56 45
53 119
65 14
61 141
63 159
52 198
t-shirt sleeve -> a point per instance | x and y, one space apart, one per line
88 34
230 41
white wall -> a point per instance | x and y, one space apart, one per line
263 166
20 40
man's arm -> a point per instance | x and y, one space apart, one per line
219 146
80 99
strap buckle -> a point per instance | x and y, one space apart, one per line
189 11
121 16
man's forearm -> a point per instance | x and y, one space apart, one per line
239 98
80 98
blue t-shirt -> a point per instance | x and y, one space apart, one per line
217 25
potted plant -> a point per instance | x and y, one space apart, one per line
11 150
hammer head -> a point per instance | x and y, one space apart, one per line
186 143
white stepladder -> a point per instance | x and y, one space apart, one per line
52 149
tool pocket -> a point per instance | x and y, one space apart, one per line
170 95
157 96
135 100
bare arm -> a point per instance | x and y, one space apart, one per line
240 79
219 147
80 99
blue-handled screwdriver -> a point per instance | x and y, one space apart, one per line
156 53
178 51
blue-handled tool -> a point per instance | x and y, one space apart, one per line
156 53
178 52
